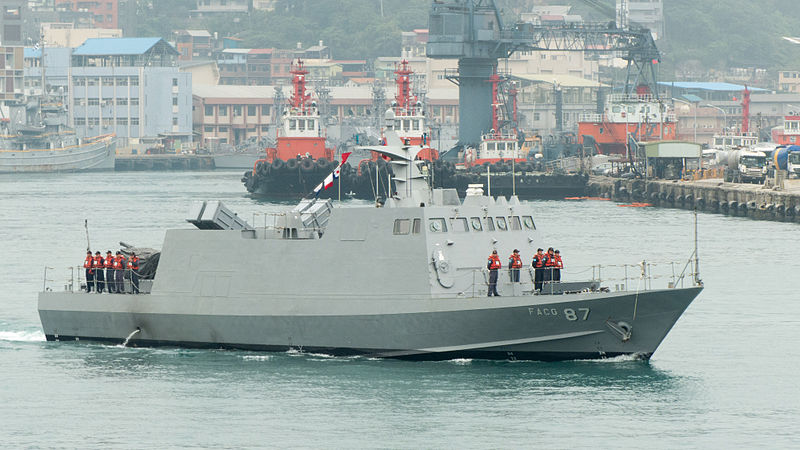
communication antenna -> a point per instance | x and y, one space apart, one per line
86 227
697 280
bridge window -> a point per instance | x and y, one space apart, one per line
491 146
417 226
301 125
501 223
292 124
437 225
489 224
402 226
460 224
476 224
528 222
415 123
516 224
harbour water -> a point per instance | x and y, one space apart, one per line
725 377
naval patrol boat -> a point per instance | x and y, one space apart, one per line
404 279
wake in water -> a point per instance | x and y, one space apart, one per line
22 336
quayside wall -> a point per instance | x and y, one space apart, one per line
710 195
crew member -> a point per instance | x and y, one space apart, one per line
87 264
538 270
493 264
119 273
97 266
108 263
559 265
133 266
549 264
514 264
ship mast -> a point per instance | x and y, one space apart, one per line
299 98
405 101
495 80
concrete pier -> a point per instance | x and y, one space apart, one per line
709 195
164 162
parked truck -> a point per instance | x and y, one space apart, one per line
788 159
744 166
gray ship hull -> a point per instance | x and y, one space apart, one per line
98 155
544 327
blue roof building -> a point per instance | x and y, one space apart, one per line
131 87
131 52
706 91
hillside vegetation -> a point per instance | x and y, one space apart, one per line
707 34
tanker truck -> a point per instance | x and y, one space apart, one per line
744 166
788 159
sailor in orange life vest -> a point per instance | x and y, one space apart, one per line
119 273
493 264
538 270
87 264
549 265
133 266
99 279
514 264
558 266
108 263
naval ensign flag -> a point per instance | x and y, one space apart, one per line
332 176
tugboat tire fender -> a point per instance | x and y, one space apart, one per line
306 165
291 164
278 164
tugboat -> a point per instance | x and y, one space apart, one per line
507 163
639 117
410 115
402 279
300 157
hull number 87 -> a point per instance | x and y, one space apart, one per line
581 314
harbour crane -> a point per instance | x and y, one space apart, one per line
473 32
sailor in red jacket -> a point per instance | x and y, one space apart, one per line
538 270
108 263
514 264
98 273
119 273
133 266
558 266
549 265
87 264
493 264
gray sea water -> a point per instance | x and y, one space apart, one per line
725 377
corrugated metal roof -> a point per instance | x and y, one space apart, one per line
198 33
708 86
560 79
116 46
691 98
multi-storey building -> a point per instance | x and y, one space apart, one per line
647 13
193 44
233 114
131 87
215 7
65 34
103 14
789 81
